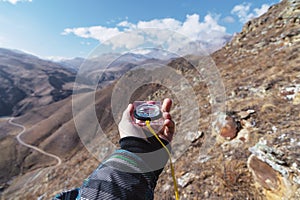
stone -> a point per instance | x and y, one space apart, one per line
193 136
247 124
263 173
229 128
243 135
245 114
271 156
291 92
166 187
186 179
275 186
273 171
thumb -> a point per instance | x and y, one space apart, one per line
128 113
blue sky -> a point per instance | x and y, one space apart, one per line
70 28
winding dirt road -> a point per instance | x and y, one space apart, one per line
59 161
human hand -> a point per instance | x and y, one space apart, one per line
128 128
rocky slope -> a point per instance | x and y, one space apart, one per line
256 154
256 151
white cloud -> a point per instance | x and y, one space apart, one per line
167 23
127 25
95 32
16 1
242 11
206 31
128 40
245 14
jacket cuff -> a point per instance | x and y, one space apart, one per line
150 151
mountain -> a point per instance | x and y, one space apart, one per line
73 63
103 60
252 154
108 67
27 82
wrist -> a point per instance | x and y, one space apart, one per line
141 145
149 150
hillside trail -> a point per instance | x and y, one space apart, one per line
40 171
59 161
37 172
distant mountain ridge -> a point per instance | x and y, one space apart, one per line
73 63
27 81
105 59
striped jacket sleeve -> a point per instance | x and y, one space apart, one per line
124 175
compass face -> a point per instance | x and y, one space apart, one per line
147 112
